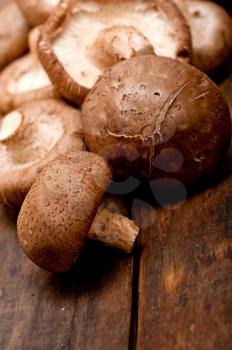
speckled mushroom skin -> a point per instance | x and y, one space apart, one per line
59 209
150 104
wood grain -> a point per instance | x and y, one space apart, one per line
88 308
185 282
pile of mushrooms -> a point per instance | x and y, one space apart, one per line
95 92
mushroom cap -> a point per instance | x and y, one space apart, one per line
211 28
37 11
183 5
80 33
22 81
30 137
4 3
14 30
154 117
59 209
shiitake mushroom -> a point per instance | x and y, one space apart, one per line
145 106
63 208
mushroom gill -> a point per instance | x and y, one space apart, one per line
83 38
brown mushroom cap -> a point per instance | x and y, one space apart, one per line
183 5
22 81
5 2
30 137
148 106
37 11
211 28
14 29
83 38
59 209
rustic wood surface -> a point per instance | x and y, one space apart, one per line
174 294
185 280
88 308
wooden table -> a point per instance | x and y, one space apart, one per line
174 293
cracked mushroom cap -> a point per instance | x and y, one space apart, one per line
37 11
82 39
211 28
58 211
14 30
152 106
30 137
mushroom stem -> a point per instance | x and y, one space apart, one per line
10 125
118 43
113 228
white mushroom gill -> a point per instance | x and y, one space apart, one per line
10 124
88 20
31 140
28 79
51 3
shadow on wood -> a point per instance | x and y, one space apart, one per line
88 307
